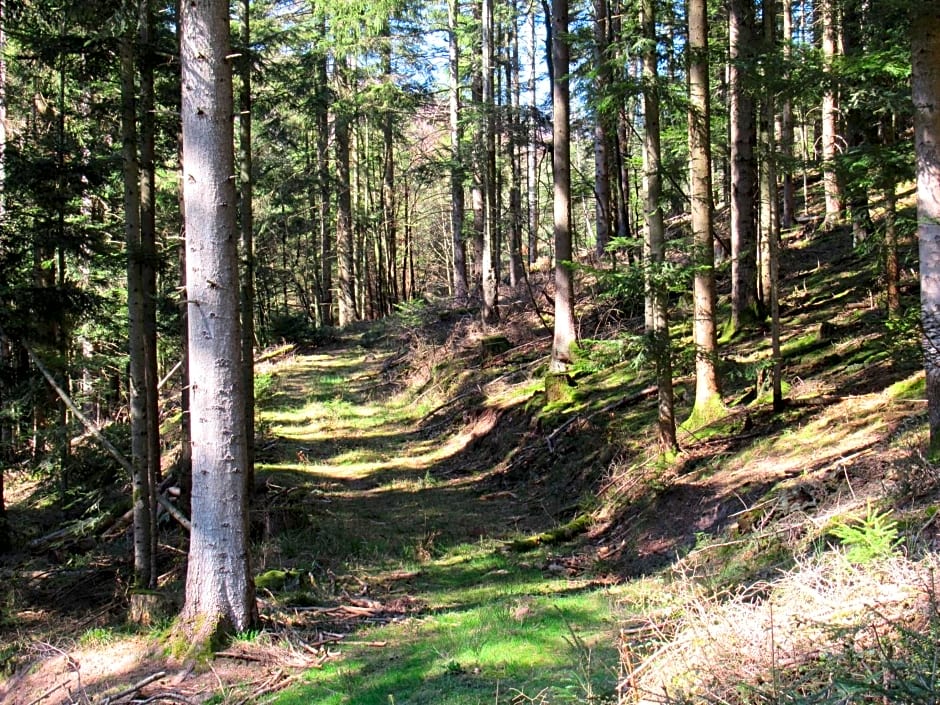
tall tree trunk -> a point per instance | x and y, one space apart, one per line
346 290
707 395
534 134
602 131
6 426
743 166
247 239
186 446
515 132
324 187
148 266
479 164
788 195
829 15
892 263
142 509
925 52
461 290
490 269
219 588
565 334
655 232
387 295
770 221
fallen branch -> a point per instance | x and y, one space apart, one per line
100 437
134 688
48 693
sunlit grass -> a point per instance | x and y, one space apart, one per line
493 626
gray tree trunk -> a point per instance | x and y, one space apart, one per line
219 588
565 333
704 331
925 47
345 273
246 239
142 508
603 133
490 262
743 166
655 231
461 290
829 16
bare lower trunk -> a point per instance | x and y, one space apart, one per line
565 334
743 167
655 235
142 508
926 91
219 587
830 114
704 328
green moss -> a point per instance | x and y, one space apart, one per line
914 387
276 580
565 532
704 416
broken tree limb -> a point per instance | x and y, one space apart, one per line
134 688
86 422
98 435
169 374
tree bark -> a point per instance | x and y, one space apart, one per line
743 166
829 14
925 52
490 268
137 405
327 252
246 239
565 334
219 589
603 157
788 190
770 220
707 392
346 290
655 232
461 290
148 265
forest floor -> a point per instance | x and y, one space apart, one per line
427 529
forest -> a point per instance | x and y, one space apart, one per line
469 351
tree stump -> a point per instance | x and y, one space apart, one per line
558 386
148 607
493 345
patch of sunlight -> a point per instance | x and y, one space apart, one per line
913 387
345 472
851 426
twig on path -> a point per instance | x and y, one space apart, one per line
48 693
237 656
172 697
134 688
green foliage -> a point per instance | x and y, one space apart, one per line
265 385
903 337
874 537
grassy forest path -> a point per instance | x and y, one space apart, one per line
428 529
393 533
